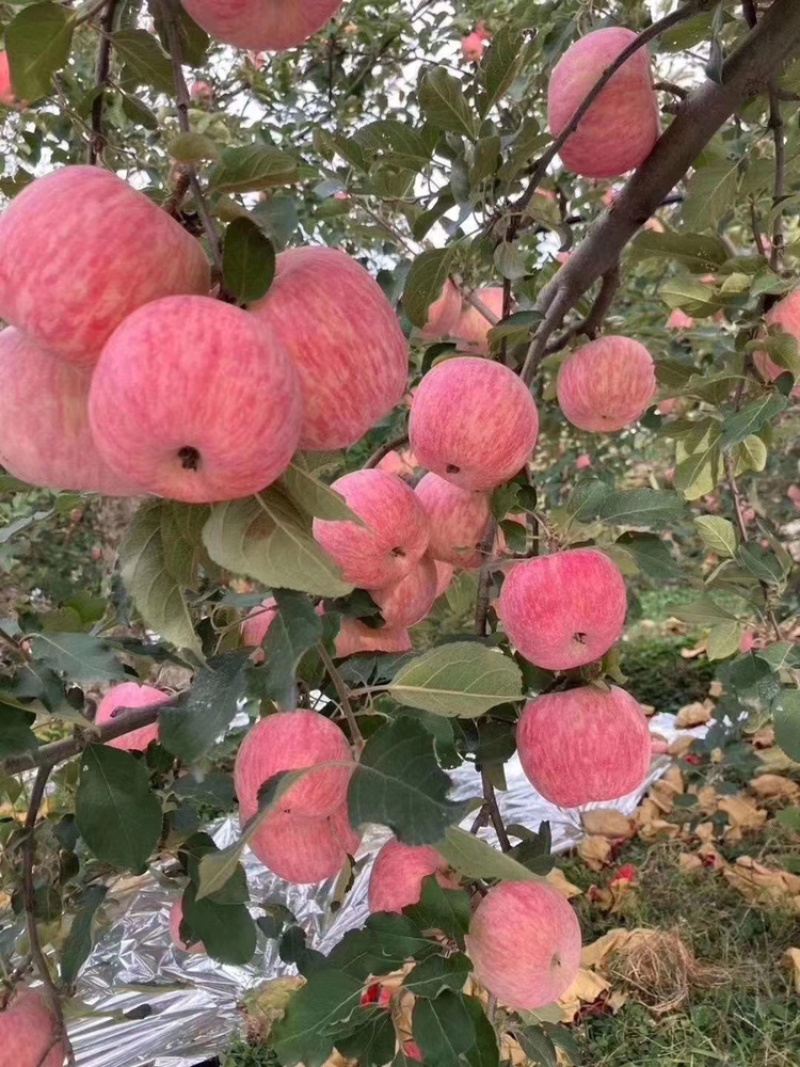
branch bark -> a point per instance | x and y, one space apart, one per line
97 141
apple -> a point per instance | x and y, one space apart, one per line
786 315
607 384
443 314
201 92
458 521
271 25
584 745
29 1032
620 129
130 695
355 636
195 400
80 250
175 919
679 320
407 602
294 741
473 422
525 944
257 623
583 462
444 576
345 339
472 327
303 850
398 872
403 464
7 97
564 610
45 437
394 534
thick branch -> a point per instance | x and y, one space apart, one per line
779 186
97 140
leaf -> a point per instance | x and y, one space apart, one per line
475 858
265 537
146 574
436 974
252 168
751 455
226 930
651 554
442 99
372 1043
762 563
781 654
509 261
710 192
146 58
704 611
461 678
80 939
787 723
295 629
189 731
752 418
181 534
640 507
248 261
193 148
314 497
117 815
400 784
700 253
327 998
453 1031
501 65
38 41
717 534
446 910
424 283
537 1046
79 657
724 639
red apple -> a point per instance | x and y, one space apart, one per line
175 920
444 576
28 1032
355 636
130 695
620 129
442 314
564 610
257 623
303 850
7 98
80 250
607 384
394 534
473 422
403 464
398 872
294 741
786 315
345 339
525 944
273 25
584 745
407 602
679 320
44 422
472 327
195 400
458 520
583 462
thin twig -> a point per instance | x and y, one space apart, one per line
97 140
779 187
490 800
385 449
356 736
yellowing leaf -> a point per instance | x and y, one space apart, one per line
606 823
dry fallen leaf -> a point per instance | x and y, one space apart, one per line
707 798
743 813
607 823
764 737
559 881
594 954
791 959
774 785
681 745
774 760
696 714
689 861
715 690
595 851
586 988
758 883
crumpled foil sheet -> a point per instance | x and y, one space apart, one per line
184 1007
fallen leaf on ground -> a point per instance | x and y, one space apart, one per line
594 954
758 883
696 714
586 988
774 785
681 745
689 861
774 760
595 851
559 881
607 823
742 812
715 690
791 959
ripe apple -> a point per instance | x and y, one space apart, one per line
44 422
293 741
564 610
175 919
679 320
28 1032
80 250
303 850
584 745
407 602
257 623
398 872
271 25
607 384
458 520
394 535
130 695
473 422
620 129
444 576
345 339
525 944
472 327
786 315
355 636
195 400
403 464
443 314
7 98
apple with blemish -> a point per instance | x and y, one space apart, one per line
130 695
459 519
398 873
270 25
607 384
407 602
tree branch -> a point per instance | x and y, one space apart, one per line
385 449
97 141
779 187
343 694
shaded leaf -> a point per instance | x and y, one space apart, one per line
252 168
80 939
145 57
79 657
442 99
188 731
461 679
475 858
295 629
38 41
424 283
248 261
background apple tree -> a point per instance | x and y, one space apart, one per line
382 138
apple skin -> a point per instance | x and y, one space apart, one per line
355 636
195 400
524 941
262 25
607 384
45 437
458 521
564 610
407 602
473 422
443 314
786 314
196 948
7 98
584 745
345 339
398 872
293 741
27 1031
130 695
472 327
620 129
66 282
444 576
305 851
394 535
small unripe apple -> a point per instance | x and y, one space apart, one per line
584 745
458 519
272 25
303 850
394 534
564 610
786 315
472 327
407 602
398 873
294 741
355 636
80 250
473 422
130 695
525 944
607 384
195 400
28 1032
620 129
175 919
442 314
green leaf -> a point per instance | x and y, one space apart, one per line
79 657
501 65
724 639
193 147
780 655
314 497
640 507
294 630
80 939
373 1041
226 930
437 974
424 283
717 534
447 910
16 735
400 784
117 815
327 998
442 99
461 679
787 723
698 460
700 253
704 611
537 1046
265 537
751 455
146 572
752 418
253 168
650 554
145 58
248 261
453 1031
762 563
710 192
509 261
475 858
182 538
38 42
189 731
